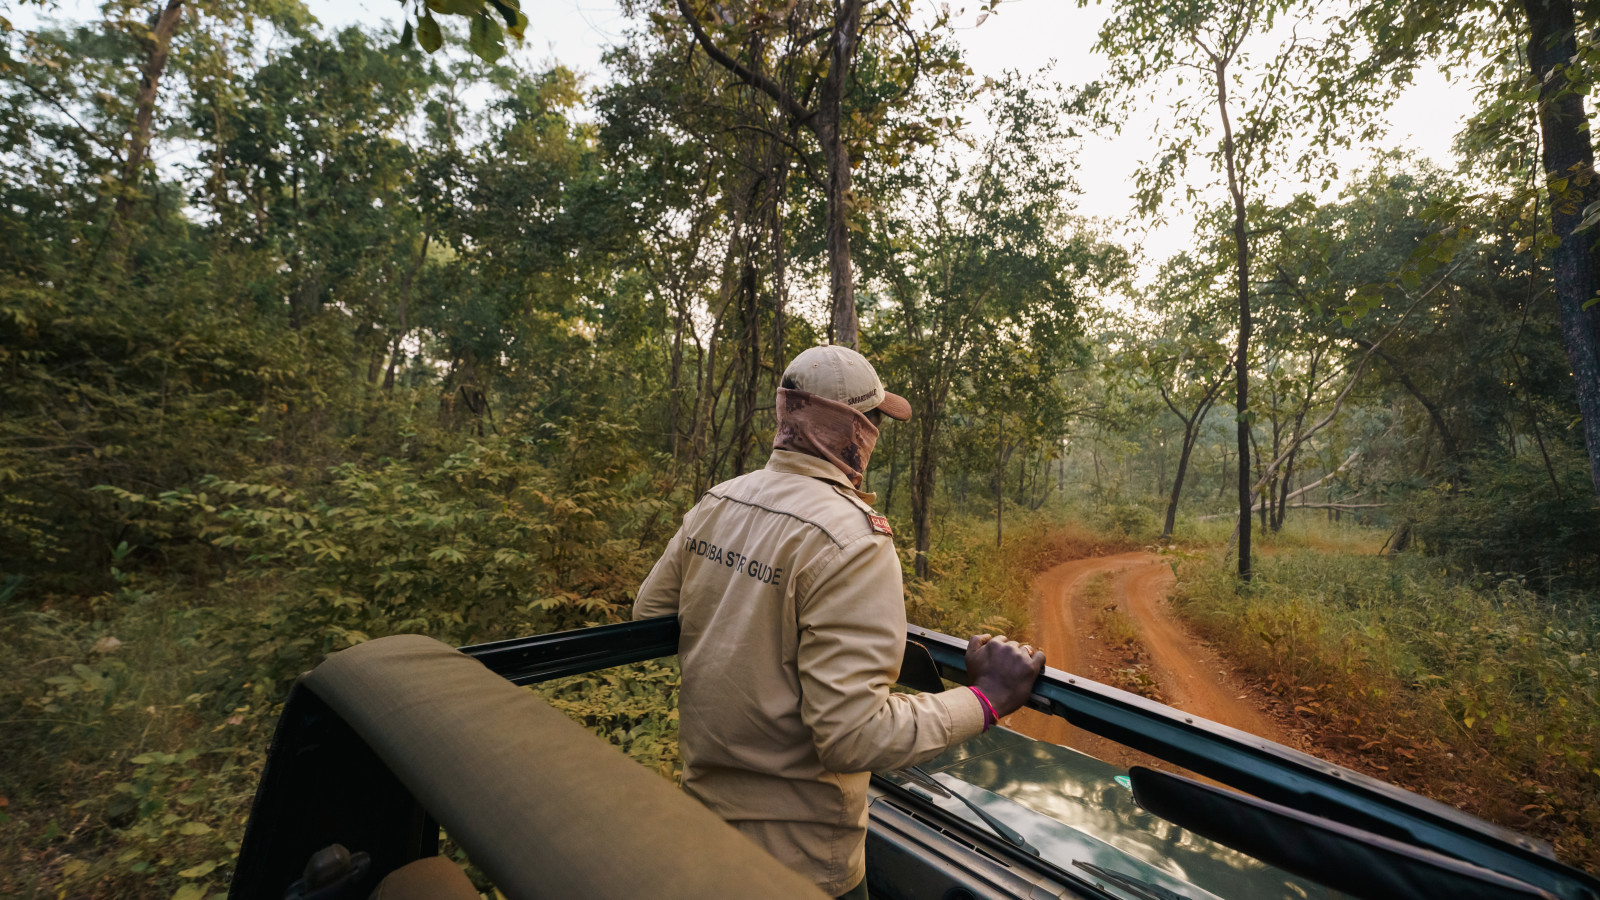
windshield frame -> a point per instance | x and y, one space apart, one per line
1234 758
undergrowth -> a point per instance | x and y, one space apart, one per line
1474 690
137 718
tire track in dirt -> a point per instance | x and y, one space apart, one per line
1190 675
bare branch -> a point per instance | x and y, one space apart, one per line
753 78
799 152
115 151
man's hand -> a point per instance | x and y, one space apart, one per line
1004 670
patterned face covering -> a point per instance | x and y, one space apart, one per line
826 429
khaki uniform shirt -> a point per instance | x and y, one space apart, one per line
793 628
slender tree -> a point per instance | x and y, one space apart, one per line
802 56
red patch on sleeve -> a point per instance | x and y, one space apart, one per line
880 525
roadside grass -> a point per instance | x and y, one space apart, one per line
1298 533
124 776
1473 690
1124 639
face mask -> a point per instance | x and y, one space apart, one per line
827 429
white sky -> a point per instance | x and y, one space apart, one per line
1023 34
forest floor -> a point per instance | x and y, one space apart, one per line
1107 618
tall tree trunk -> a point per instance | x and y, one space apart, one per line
843 327
749 363
780 286
894 470
1191 436
828 128
1177 489
1161 468
1044 495
406 283
1242 358
1222 485
158 46
922 483
705 428
1569 161
675 380
1000 483
1283 491
826 122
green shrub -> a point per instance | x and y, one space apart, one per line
1505 515
1125 520
130 764
1484 694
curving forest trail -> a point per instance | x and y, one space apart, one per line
1068 608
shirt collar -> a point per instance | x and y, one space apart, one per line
793 463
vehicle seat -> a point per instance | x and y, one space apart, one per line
432 878
544 807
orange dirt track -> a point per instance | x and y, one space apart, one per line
1191 676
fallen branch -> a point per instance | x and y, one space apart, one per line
1257 507
1303 506
1338 401
1348 461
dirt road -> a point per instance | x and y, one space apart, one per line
1186 673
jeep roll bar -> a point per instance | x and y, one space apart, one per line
1272 772
361 757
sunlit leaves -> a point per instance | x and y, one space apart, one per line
488 23
428 34
485 38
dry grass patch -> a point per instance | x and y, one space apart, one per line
1475 691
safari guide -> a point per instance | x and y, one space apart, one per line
788 593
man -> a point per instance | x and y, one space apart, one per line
787 588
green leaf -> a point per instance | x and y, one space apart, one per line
200 871
407 37
189 892
511 14
485 39
428 34
1590 302
194 828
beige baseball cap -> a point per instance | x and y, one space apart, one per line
842 374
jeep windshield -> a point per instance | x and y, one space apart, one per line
1080 814
1265 821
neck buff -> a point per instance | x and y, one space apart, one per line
826 429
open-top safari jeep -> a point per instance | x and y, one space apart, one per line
386 742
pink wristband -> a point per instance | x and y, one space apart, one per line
990 717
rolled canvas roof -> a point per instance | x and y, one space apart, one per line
541 805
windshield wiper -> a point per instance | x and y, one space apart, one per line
1144 890
1012 836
